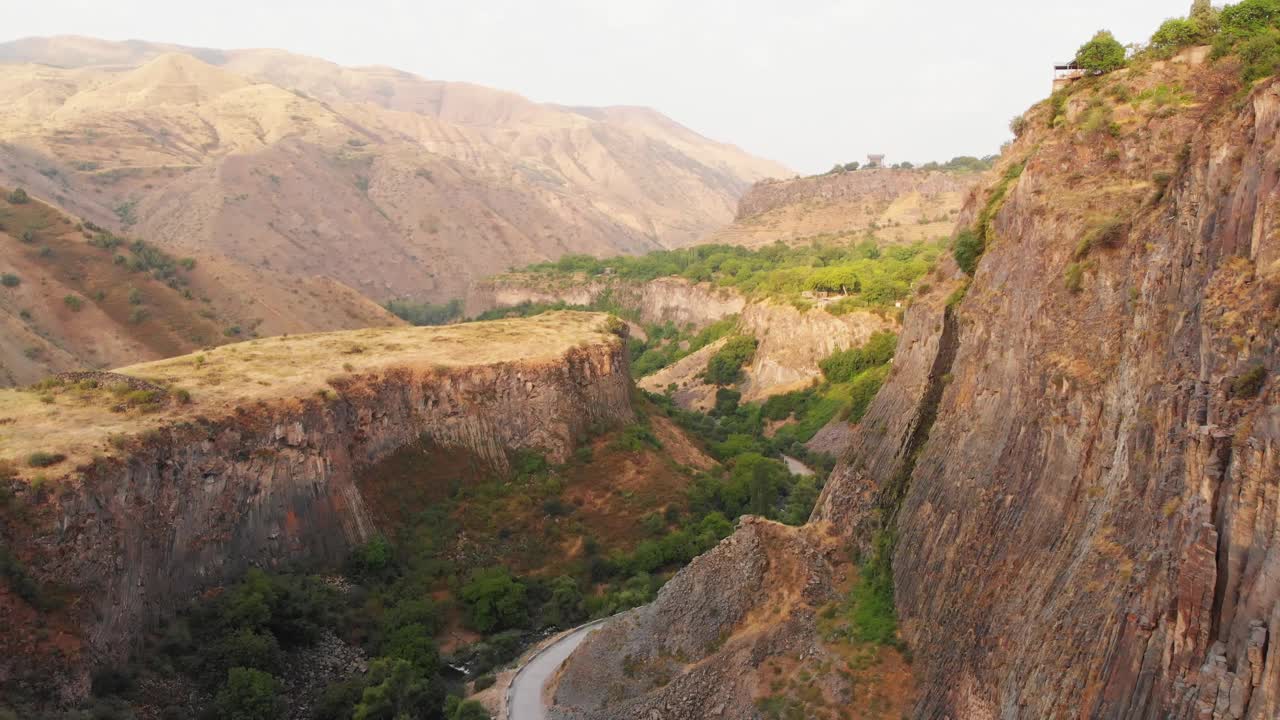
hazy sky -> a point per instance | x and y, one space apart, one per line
804 82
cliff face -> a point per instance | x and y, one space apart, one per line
1083 453
898 205
792 342
1077 462
191 504
866 185
661 300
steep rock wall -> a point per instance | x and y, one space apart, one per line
196 504
661 300
869 186
1086 502
792 343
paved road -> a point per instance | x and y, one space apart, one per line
524 699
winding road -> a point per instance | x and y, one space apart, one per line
524 698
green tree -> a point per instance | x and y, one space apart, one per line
246 648
804 495
18 196
725 367
967 250
1206 16
10 280
413 644
249 695
455 708
1102 54
844 365
458 709
398 690
1178 33
494 600
566 605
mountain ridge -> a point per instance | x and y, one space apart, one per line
393 184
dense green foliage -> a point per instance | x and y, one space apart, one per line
249 695
844 365
961 163
417 313
666 344
1102 54
872 277
494 600
725 367
10 280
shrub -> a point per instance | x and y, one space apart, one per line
845 365
1097 119
397 690
494 600
1018 125
1102 54
1110 233
10 280
249 695
1178 33
725 367
1074 277
425 313
484 682
1250 383
18 197
74 302
44 459
458 709
967 250
135 296
29 236
138 315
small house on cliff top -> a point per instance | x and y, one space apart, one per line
1066 73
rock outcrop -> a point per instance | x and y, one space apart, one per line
696 650
898 206
1081 456
792 341
194 502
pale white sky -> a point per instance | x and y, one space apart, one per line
804 82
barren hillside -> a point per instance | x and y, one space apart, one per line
389 183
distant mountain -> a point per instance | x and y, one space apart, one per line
389 183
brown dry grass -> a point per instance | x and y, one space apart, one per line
278 368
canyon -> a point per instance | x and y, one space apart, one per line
1072 467
251 464
1063 501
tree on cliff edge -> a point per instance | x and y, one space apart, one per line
1102 54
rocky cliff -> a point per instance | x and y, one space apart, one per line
1074 463
210 489
1088 514
792 341
898 205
